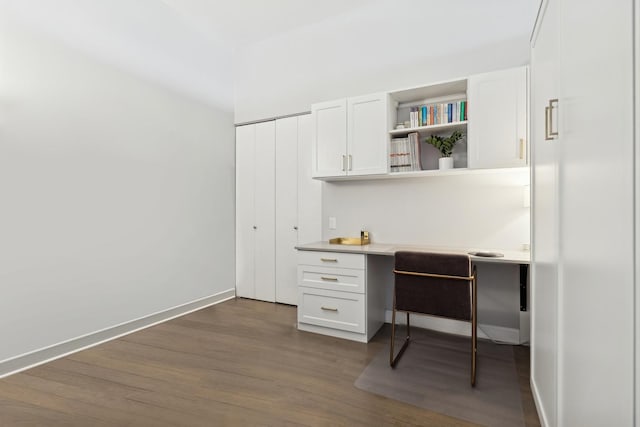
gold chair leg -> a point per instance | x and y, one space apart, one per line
393 361
474 329
393 335
408 326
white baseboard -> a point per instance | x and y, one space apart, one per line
451 326
536 399
56 351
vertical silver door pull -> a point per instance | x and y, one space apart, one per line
552 133
549 134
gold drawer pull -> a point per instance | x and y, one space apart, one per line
330 279
328 260
329 309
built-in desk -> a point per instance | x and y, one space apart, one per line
344 291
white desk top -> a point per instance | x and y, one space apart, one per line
389 249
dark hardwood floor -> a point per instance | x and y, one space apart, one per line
240 363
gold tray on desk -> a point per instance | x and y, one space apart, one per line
359 241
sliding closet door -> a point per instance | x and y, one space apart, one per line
245 211
286 209
265 214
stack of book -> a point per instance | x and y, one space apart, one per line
436 114
405 154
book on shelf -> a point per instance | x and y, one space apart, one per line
405 153
438 113
414 146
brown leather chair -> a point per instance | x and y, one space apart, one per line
435 284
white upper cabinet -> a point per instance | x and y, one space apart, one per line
498 134
329 133
367 134
365 137
350 136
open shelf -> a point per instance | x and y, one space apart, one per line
428 130
427 174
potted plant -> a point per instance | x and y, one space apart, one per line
445 146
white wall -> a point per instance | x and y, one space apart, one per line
117 196
481 210
384 46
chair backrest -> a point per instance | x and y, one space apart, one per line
438 296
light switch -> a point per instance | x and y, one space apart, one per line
332 223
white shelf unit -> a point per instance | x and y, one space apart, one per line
439 93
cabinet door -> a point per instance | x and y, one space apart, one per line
245 208
309 190
498 119
544 215
265 211
329 133
286 209
367 134
599 167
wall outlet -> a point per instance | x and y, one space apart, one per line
332 223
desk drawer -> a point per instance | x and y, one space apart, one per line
336 279
331 309
331 259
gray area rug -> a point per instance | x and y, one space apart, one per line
434 374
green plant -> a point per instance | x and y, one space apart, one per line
445 145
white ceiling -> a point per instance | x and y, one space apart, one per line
239 22
188 45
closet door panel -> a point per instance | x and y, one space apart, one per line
245 208
265 211
286 173
309 190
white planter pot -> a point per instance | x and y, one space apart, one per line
445 163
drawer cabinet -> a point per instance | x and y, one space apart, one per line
331 309
333 298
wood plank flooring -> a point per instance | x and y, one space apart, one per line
239 363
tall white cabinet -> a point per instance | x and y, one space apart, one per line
583 214
278 205
544 214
